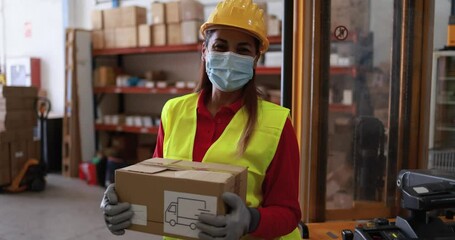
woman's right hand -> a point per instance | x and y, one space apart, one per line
116 215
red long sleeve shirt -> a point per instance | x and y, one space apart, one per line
280 209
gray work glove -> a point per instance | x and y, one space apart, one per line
116 215
231 226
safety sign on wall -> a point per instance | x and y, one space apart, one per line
181 212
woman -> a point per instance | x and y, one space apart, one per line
225 121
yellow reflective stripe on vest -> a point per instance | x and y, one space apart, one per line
179 120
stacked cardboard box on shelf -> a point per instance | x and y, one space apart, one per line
183 20
18 118
117 27
273 25
154 34
173 23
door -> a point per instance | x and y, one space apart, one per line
360 110
442 116
357 96
441 139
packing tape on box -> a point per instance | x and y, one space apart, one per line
179 165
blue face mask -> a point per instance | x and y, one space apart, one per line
228 71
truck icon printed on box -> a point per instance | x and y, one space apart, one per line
181 212
185 211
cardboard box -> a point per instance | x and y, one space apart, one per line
111 18
168 195
5 164
145 35
126 37
158 13
155 75
173 12
13 120
5 176
132 16
97 19
16 91
174 33
33 149
104 76
191 10
273 26
97 39
19 155
159 34
25 134
17 103
190 31
109 38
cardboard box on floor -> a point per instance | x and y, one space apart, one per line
5 164
168 195
16 91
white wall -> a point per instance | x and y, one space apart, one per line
381 26
441 20
46 41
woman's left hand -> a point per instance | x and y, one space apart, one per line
231 226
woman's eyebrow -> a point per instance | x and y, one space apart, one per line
245 44
221 40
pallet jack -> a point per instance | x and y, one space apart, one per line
32 175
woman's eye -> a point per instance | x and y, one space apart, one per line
244 51
219 47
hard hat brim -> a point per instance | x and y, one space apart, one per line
264 42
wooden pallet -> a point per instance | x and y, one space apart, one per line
71 152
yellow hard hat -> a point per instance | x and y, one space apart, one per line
243 14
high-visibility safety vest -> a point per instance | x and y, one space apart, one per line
179 121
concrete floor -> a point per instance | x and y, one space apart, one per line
67 210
